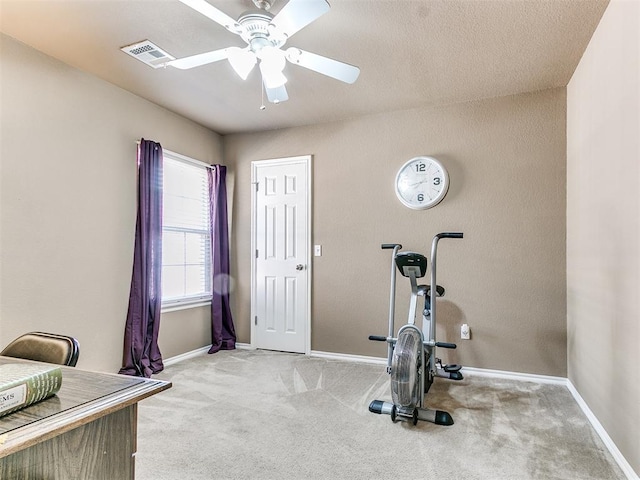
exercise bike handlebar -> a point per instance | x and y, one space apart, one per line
377 338
450 235
392 300
432 296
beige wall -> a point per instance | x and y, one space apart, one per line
68 204
603 226
506 278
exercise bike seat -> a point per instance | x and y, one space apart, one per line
408 262
439 290
427 296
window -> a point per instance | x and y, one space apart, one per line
186 236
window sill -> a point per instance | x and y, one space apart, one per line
184 306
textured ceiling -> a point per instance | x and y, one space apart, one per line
411 53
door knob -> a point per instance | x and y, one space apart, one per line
299 267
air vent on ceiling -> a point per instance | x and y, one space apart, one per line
148 53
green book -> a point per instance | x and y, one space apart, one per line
22 384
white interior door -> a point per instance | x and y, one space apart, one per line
282 245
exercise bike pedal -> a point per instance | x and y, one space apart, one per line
452 371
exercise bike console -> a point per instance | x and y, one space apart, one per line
408 262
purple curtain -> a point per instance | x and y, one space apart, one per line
223 335
141 356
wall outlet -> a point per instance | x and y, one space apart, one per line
465 332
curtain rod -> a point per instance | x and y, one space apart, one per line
184 158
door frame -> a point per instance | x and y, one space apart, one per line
307 160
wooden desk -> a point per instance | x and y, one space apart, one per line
85 432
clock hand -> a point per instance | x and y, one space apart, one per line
418 183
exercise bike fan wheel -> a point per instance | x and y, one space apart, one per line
405 374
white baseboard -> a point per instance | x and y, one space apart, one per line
602 433
349 358
481 372
522 377
185 356
526 377
194 353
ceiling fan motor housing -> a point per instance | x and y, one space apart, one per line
259 32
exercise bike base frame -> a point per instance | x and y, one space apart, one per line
439 417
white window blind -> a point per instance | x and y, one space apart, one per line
186 238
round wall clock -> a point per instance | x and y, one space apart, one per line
422 183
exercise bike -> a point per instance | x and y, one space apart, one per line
411 358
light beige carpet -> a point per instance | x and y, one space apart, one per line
251 414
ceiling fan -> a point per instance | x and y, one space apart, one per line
265 35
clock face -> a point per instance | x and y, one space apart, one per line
422 183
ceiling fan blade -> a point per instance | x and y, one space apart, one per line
200 59
277 95
297 14
326 66
214 14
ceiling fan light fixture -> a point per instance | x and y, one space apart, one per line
272 78
242 61
272 64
